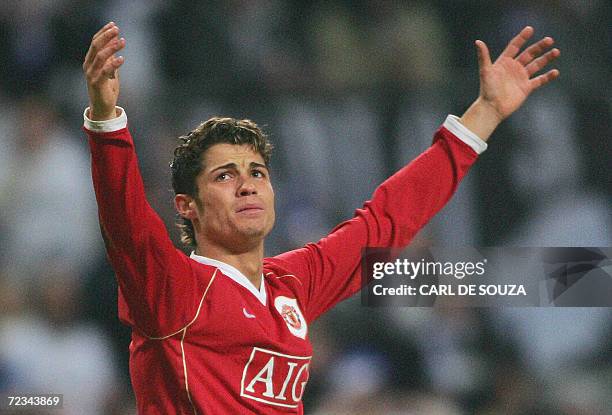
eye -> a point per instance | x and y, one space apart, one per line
223 177
259 174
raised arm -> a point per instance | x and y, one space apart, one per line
329 270
159 289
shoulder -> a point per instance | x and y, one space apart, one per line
278 273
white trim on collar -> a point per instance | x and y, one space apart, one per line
235 275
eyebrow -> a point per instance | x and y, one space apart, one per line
234 166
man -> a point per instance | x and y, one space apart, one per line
226 330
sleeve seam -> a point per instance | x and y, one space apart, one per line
192 321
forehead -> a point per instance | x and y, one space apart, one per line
223 153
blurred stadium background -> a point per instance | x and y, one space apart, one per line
349 91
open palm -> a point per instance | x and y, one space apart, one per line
506 83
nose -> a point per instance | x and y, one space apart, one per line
247 187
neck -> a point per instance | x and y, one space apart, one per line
249 263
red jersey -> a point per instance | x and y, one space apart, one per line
204 339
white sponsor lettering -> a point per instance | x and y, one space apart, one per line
281 394
269 370
269 376
302 386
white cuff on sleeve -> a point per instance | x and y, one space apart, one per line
107 126
453 125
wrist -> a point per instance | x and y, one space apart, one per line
105 126
481 118
97 114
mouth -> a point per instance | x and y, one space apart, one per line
250 209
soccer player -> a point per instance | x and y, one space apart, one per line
225 330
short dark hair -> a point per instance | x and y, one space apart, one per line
188 157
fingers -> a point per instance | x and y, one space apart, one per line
517 43
110 67
484 58
535 50
104 62
101 38
100 60
542 80
109 50
103 29
542 61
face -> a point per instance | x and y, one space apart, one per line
235 203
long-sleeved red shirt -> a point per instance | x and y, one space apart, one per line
204 339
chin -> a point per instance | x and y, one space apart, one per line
255 232
255 228
252 232
246 238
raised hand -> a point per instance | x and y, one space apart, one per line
506 83
101 71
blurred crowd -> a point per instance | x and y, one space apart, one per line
349 91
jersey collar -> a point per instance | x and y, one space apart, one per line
235 275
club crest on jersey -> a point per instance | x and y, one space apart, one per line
291 313
291 317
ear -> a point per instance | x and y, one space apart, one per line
186 206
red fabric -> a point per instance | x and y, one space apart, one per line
194 347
